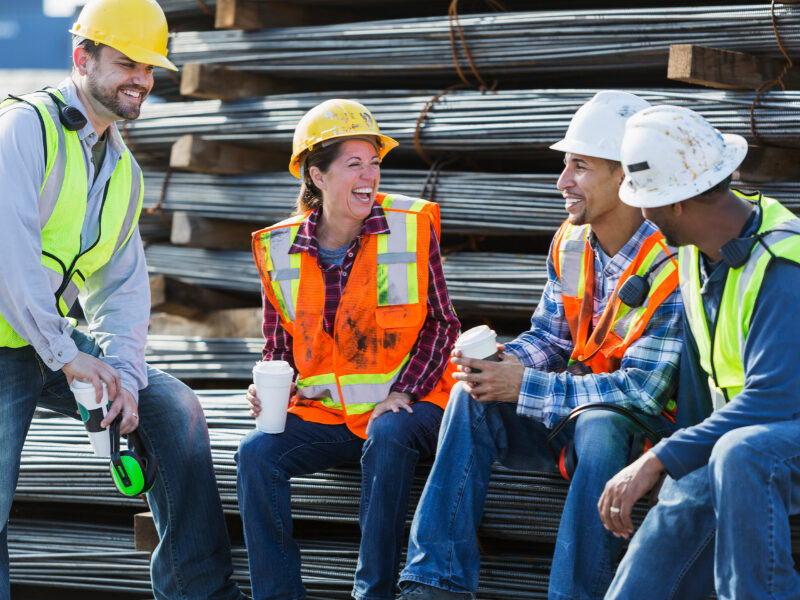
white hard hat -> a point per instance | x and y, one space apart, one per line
671 154
597 127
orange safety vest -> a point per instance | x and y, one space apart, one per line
602 348
341 377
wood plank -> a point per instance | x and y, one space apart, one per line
202 232
171 295
251 15
193 153
770 164
228 323
725 69
145 535
218 82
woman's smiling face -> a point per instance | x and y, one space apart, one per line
349 185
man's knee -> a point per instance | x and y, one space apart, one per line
741 448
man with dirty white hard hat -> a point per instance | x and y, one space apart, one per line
734 478
584 349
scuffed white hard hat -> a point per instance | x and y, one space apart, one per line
671 154
597 127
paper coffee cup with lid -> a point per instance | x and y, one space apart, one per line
273 379
92 415
478 342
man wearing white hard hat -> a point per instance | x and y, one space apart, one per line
585 347
733 479
72 194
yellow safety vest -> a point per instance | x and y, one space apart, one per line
721 345
62 209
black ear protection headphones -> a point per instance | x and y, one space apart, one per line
133 470
567 459
71 118
636 287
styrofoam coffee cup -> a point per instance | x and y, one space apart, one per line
478 342
273 381
92 414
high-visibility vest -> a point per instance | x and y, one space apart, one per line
721 356
63 199
379 317
601 348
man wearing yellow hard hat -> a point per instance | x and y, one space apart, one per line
72 193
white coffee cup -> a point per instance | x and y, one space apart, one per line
478 342
92 414
273 381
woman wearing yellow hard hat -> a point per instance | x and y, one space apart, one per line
355 302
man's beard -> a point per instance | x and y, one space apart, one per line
110 101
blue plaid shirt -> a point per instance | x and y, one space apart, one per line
646 378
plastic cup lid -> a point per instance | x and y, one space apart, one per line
273 367
476 335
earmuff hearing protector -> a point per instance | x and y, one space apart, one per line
636 287
133 470
640 441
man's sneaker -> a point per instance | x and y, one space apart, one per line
420 591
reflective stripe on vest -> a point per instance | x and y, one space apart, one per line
390 266
62 210
722 357
574 263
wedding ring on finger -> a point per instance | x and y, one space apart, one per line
614 510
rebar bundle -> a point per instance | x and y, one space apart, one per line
85 556
512 124
521 43
485 203
487 282
203 358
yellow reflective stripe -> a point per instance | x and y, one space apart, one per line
324 379
360 409
383 285
294 261
357 378
670 407
276 289
417 206
387 202
330 403
582 277
265 237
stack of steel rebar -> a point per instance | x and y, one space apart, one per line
79 555
515 124
576 42
492 283
485 203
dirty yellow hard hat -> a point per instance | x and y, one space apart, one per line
335 119
137 28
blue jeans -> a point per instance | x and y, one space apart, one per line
193 559
443 550
726 522
266 462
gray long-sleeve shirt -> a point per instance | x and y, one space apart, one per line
115 299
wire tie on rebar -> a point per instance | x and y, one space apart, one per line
765 86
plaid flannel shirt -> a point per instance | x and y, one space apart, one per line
436 338
646 378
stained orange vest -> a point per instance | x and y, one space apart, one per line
383 307
619 325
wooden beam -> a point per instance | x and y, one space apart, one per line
191 230
764 164
193 153
725 69
171 295
251 15
145 535
229 323
217 82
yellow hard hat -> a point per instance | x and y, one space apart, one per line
335 119
137 28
